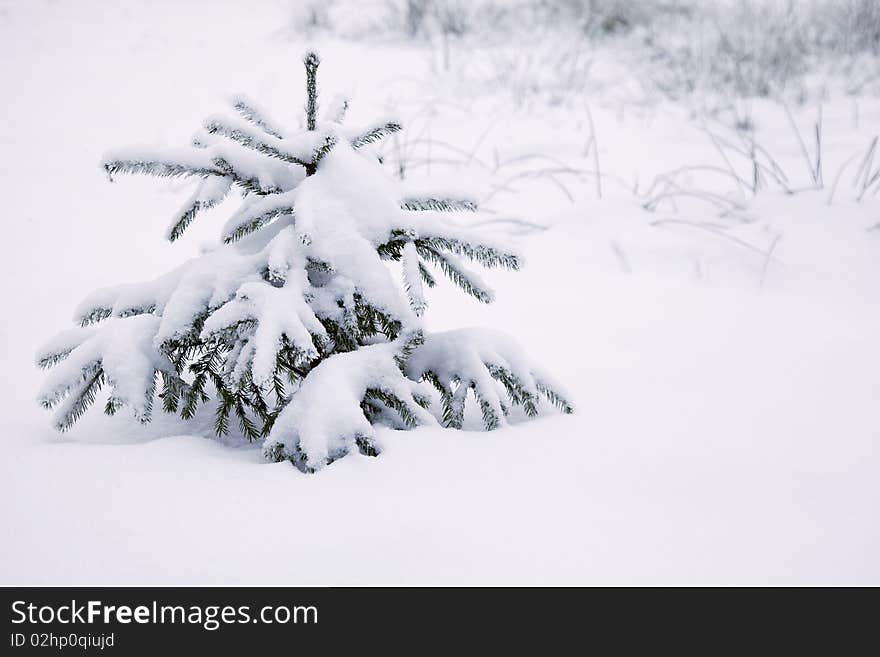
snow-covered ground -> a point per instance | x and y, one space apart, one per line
721 351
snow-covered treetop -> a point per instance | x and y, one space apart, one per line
299 303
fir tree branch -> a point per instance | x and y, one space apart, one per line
47 360
173 389
311 62
458 274
250 113
422 400
412 278
95 315
149 393
438 204
52 398
209 360
245 424
451 409
193 397
366 445
253 222
516 391
456 406
491 419
221 415
274 452
210 192
376 133
219 126
487 256
322 151
410 343
427 278
131 311
79 401
393 402
368 321
554 397
113 405
159 168
249 184
391 250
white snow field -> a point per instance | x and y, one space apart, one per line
722 348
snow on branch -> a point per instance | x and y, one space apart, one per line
57 349
243 133
276 314
452 267
209 193
486 255
412 278
259 181
327 417
487 364
180 297
311 62
375 133
256 115
121 354
438 204
168 164
434 230
256 213
205 161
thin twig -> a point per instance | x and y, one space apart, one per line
594 145
803 146
716 231
767 260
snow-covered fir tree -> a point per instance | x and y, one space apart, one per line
296 327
